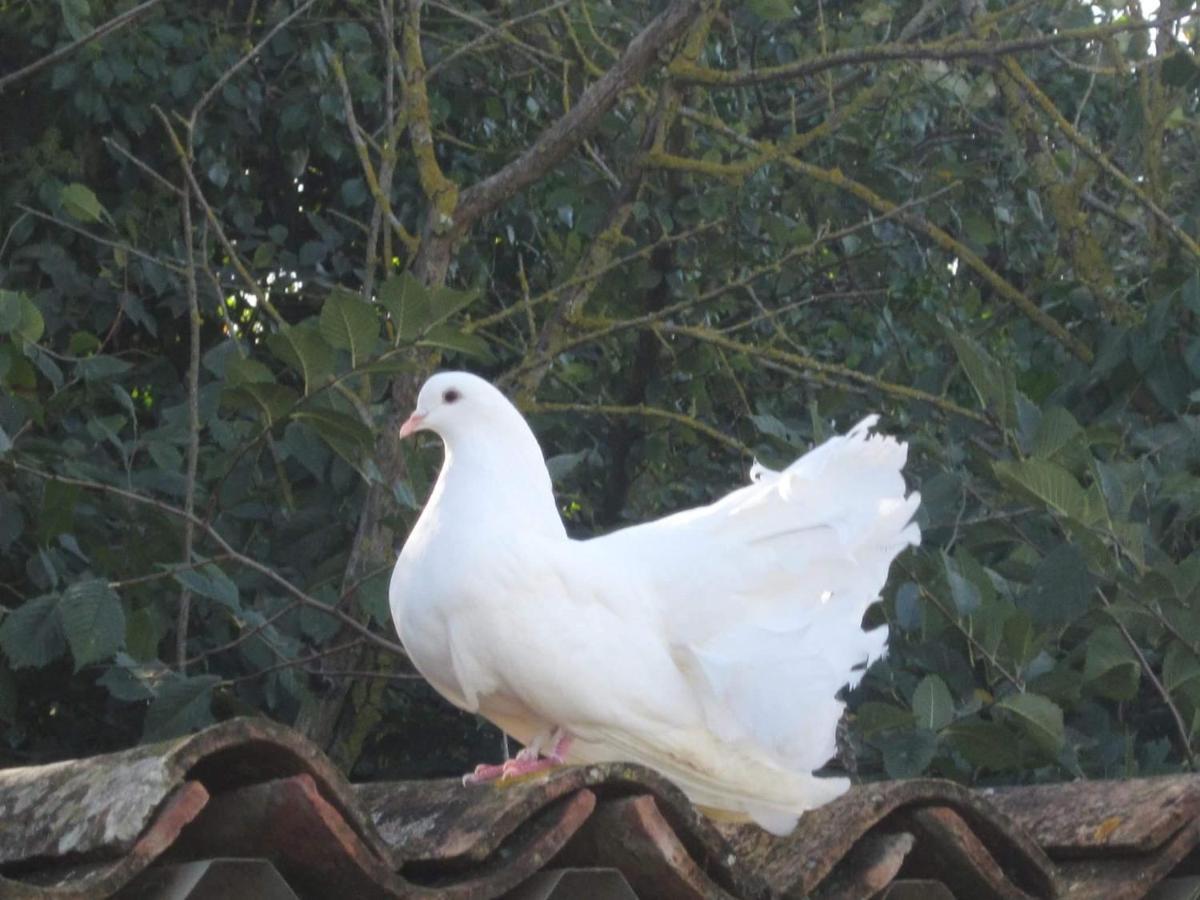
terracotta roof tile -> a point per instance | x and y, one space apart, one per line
248 788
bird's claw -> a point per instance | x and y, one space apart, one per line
527 761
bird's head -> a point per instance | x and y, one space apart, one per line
452 403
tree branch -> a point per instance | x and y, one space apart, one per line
553 145
957 48
215 536
1097 156
651 412
938 235
440 190
114 24
183 614
800 361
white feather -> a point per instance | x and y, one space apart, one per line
709 645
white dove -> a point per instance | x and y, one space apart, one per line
708 645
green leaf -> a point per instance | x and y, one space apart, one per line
1061 588
391 365
95 368
562 464
80 203
12 521
1048 483
209 581
123 685
909 615
10 311
75 16
6 443
908 754
994 385
305 350
1038 717
449 338
772 10
1111 668
349 323
348 437
932 703
408 303
967 597
180 705
1056 431
985 745
32 634
94 621
1180 668
873 718
448 302
371 595
243 370
1020 638
144 629
271 401
19 316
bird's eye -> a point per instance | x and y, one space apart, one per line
451 395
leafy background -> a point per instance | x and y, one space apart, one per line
234 238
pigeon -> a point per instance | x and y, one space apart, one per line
709 645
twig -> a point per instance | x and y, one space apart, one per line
1097 156
193 447
834 369
114 24
235 258
1180 726
374 182
501 31
246 57
553 144
158 179
365 673
116 245
298 661
490 32
974 641
605 328
951 48
650 412
576 280
168 572
216 538
246 635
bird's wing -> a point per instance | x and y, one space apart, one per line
761 595
542 642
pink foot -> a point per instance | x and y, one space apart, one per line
526 762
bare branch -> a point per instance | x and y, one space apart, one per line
951 48
553 145
836 370
1181 729
499 32
116 245
114 24
650 412
250 54
183 613
215 536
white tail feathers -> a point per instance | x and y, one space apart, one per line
777 577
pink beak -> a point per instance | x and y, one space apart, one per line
411 424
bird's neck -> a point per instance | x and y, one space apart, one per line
505 481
